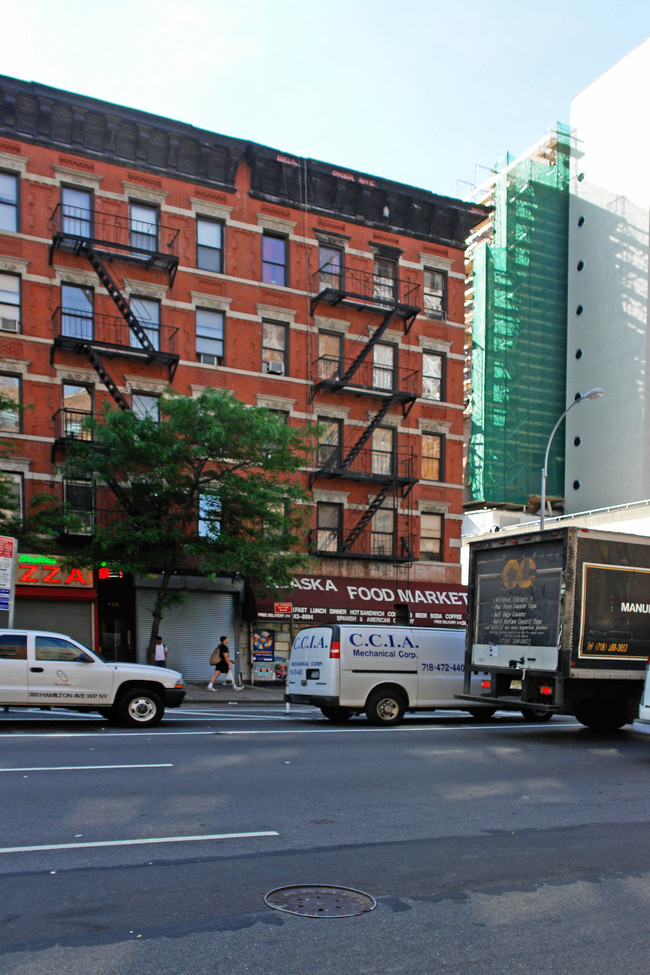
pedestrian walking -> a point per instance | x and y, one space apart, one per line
220 660
160 653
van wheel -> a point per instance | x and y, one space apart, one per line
140 709
536 714
482 714
337 715
385 708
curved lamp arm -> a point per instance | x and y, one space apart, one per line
595 393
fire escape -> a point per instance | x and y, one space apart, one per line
356 456
101 239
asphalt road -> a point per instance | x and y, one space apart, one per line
494 848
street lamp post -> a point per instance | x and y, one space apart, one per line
595 393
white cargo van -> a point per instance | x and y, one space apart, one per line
380 670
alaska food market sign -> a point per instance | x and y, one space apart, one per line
339 599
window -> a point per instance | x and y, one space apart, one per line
209 521
77 407
76 211
144 227
209 245
432 457
147 311
330 355
382 532
13 646
385 279
56 648
9 202
9 302
274 348
209 336
80 508
329 443
10 389
330 267
13 484
383 366
76 311
382 450
432 375
328 534
435 293
431 538
274 259
145 406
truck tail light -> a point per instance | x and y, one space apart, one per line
545 689
335 648
486 684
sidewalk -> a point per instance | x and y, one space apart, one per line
262 693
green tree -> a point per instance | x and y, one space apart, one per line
10 516
209 486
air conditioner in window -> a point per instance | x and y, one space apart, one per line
9 324
277 368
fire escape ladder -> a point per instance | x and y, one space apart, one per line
368 432
368 347
122 304
105 376
366 517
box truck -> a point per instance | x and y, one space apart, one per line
381 671
559 619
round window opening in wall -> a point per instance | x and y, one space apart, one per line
581 176
580 265
581 221
579 310
578 353
577 441
576 485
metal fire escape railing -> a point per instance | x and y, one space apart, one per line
90 234
394 300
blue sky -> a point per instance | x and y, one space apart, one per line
427 93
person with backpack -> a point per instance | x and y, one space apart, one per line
220 660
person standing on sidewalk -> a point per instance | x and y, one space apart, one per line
160 653
220 659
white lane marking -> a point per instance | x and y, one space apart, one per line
401 730
142 842
79 768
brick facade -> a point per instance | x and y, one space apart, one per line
389 249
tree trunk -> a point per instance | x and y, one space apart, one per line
158 614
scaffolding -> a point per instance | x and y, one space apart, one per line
517 326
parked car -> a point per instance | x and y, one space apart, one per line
43 669
642 723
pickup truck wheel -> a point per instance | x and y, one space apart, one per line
140 709
482 714
385 708
536 714
335 714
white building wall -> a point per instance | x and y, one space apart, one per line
608 341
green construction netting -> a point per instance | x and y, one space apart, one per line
519 333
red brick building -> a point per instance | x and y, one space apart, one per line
138 253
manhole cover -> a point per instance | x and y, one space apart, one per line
320 900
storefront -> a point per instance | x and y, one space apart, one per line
51 597
318 600
191 629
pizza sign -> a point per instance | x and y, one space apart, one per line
43 571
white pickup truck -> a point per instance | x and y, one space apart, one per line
39 669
